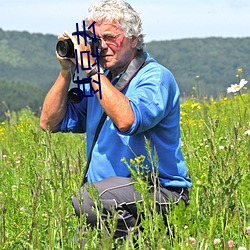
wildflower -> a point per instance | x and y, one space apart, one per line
14 188
242 248
192 240
123 159
230 244
240 70
237 87
221 147
45 216
195 106
132 162
216 241
247 133
138 160
198 182
248 230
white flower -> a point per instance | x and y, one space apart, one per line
217 241
237 87
192 240
247 133
248 230
242 248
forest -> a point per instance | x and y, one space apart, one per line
202 67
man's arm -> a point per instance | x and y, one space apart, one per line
115 104
55 103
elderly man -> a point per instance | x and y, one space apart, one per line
140 98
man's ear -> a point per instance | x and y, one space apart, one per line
134 42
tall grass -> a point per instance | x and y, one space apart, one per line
40 172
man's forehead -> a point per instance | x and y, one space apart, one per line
106 26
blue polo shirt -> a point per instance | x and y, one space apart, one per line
154 97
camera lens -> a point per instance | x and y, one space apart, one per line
75 95
65 48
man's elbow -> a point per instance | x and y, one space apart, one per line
45 126
125 125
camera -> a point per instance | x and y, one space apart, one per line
65 48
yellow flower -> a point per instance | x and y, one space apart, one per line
195 105
240 70
138 160
132 162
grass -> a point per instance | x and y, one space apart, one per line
40 172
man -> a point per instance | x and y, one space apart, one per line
141 100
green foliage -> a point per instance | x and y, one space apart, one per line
28 58
40 172
28 68
14 95
36 184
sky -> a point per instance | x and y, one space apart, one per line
161 19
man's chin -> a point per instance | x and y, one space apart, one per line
105 64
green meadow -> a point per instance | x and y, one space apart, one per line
40 172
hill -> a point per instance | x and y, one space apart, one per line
209 64
28 66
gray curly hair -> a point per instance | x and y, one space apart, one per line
120 13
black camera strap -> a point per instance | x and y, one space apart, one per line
136 64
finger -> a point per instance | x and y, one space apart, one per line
59 57
63 36
74 38
73 60
68 35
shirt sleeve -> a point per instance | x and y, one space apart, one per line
153 98
75 118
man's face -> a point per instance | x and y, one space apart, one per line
117 50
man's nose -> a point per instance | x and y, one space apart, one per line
104 44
